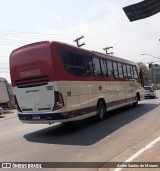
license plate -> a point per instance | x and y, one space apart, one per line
36 117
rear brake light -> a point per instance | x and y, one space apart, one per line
59 103
17 105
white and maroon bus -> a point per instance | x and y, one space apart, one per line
57 82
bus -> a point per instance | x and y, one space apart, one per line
58 82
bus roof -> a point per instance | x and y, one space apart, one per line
29 45
114 58
99 54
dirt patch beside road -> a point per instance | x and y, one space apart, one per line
8 114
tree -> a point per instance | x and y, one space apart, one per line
145 71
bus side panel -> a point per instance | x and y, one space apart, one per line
107 90
75 95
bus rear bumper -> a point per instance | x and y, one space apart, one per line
46 118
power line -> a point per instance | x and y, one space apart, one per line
22 36
88 44
40 34
16 38
96 42
10 37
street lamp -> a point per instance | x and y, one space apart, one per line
151 56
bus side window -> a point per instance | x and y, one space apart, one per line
132 71
109 68
96 67
67 58
124 70
78 67
120 70
135 74
74 63
115 67
128 71
89 66
103 68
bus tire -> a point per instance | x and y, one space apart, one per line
136 102
101 110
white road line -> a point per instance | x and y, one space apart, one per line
140 152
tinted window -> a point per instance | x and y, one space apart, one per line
109 68
132 71
89 66
147 88
120 70
67 57
128 71
124 70
103 68
96 66
135 75
78 60
115 69
74 63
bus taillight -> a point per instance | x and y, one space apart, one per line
59 103
17 105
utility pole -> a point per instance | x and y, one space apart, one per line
107 48
77 41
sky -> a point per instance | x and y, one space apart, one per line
103 23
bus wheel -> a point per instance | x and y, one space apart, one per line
101 110
136 102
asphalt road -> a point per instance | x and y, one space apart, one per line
113 139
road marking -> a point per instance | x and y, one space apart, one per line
139 152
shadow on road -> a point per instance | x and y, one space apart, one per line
89 131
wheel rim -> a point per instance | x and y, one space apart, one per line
100 111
